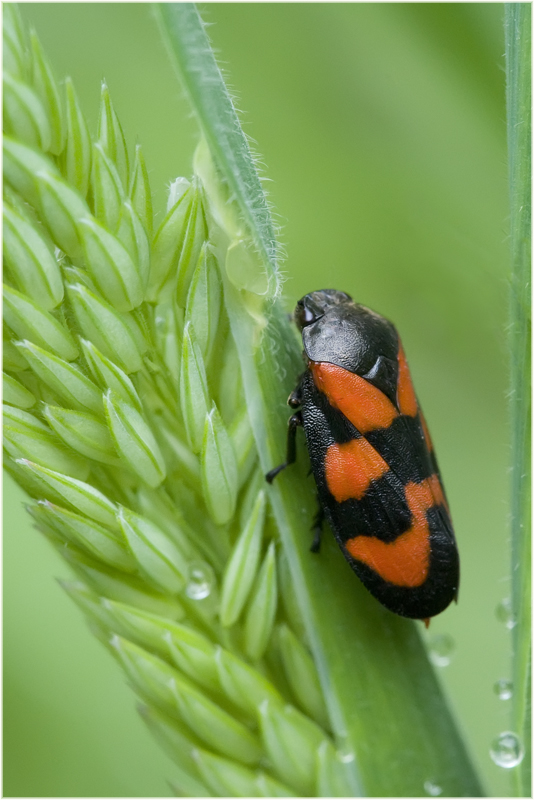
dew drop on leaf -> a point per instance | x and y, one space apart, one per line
507 750
432 789
440 649
201 580
505 614
345 756
503 688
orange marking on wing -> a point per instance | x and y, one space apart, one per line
406 399
350 468
428 440
434 481
363 404
405 561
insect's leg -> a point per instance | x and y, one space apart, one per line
294 422
317 528
295 398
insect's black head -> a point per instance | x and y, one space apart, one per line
314 305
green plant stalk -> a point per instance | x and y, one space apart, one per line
385 705
518 101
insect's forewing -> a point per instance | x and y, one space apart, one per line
378 482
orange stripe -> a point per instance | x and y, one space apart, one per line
350 469
405 561
406 399
363 404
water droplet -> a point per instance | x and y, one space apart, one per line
440 649
433 789
345 755
504 613
201 580
507 750
503 688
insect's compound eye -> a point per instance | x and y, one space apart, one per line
304 315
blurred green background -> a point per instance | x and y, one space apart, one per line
382 128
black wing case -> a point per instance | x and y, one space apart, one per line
389 505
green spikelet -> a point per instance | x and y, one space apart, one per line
125 421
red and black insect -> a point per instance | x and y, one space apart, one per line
377 478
